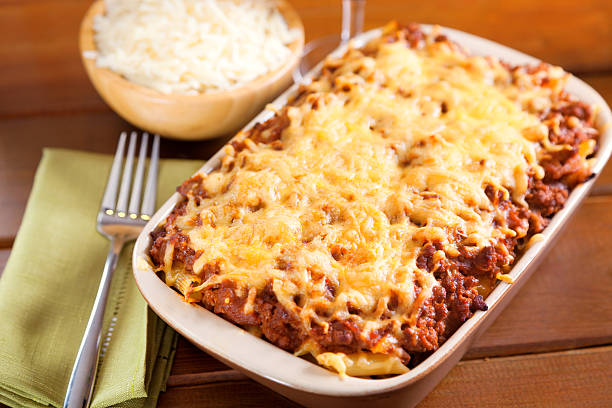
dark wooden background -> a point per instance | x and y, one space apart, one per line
551 347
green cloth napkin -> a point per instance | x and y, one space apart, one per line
49 284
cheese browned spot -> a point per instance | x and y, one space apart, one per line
371 214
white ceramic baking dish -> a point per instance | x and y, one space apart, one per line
308 383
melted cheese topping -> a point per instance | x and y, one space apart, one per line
393 153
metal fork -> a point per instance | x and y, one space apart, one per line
119 223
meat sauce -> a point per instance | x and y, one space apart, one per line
464 279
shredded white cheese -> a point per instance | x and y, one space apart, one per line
191 46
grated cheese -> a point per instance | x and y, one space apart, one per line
394 151
341 181
191 46
504 277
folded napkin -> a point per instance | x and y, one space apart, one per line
49 284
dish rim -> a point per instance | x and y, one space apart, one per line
238 348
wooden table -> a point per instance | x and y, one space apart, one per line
552 346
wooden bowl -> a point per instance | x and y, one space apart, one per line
189 117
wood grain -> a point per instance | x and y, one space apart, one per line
603 85
205 378
190 360
4 254
563 379
580 378
42 71
39 60
543 29
245 393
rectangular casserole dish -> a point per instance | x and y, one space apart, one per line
308 383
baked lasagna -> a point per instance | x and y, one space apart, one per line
372 214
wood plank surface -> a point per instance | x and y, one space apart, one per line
580 378
245 393
563 379
546 30
39 59
191 360
42 72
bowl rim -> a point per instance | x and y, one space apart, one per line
237 348
87 44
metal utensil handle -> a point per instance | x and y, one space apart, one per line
83 375
352 18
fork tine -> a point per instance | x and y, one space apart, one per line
148 202
138 178
126 179
110 194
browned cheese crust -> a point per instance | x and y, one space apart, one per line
464 279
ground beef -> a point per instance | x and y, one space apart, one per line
158 246
430 324
425 258
224 300
340 336
451 304
159 234
462 299
566 167
547 199
486 261
460 278
271 130
456 299
567 107
193 187
411 33
278 325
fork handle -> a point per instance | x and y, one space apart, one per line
83 375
